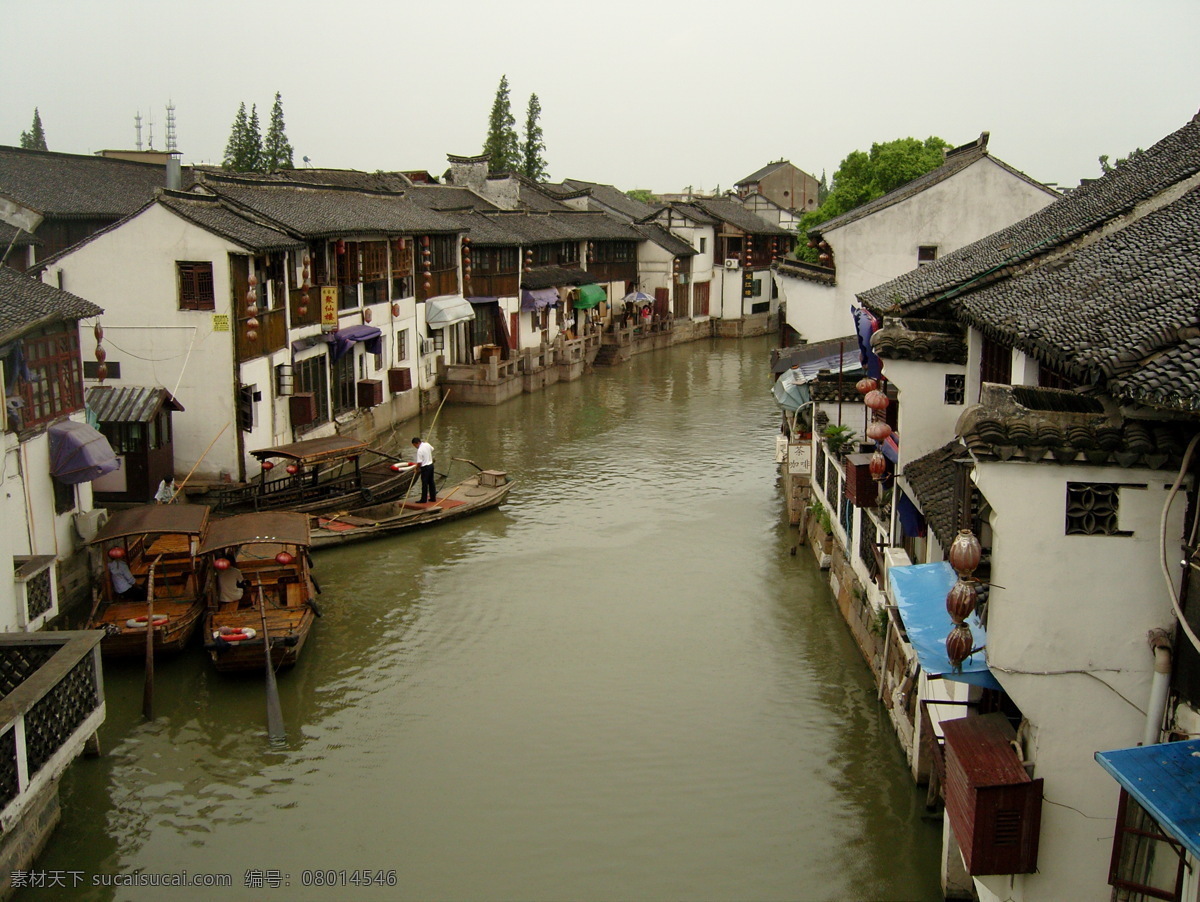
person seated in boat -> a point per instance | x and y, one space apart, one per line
230 582
125 586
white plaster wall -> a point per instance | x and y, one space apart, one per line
1067 625
970 205
924 420
813 309
130 272
654 267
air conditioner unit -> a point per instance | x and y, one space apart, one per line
732 263
427 346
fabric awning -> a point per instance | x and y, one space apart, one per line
538 298
483 300
79 453
590 296
447 310
1165 780
920 591
343 340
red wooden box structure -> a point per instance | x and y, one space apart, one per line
861 489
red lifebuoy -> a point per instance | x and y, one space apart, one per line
235 634
139 622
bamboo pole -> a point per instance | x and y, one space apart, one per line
179 488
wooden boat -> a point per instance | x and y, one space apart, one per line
166 536
277 602
486 489
321 474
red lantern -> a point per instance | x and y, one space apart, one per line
879 431
283 559
98 331
302 310
221 563
424 241
395 309
102 372
367 315
866 384
252 335
965 552
252 323
340 246
101 355
427 284
116 553
958 644
878 466
292 469
876 400
961 600
268 465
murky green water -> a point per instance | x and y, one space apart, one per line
618 686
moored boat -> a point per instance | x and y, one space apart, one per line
164 537
321 474
259 589
482 491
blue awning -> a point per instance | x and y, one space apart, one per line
78 453
1165 780
537 298
920 591
447 310
791 390
343 339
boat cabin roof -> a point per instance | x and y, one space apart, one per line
314 450
275 527
146 519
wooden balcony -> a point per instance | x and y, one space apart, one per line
312 315
613 272
440 283
500 285
53 704
272 335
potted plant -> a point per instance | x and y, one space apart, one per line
839 439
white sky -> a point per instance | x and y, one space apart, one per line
656 94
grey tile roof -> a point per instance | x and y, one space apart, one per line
448 198
553 276
1168 162
534 197
933 480
383 182
26 303
1036 424
672 244
15 237
332 212
211 214
612 198
731 211
801 269
936 341
65 185
691 212
1106 313
129 404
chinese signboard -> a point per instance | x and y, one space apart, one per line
329 307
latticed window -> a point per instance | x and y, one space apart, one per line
38 596
55 377
956 388
1093 508
196 286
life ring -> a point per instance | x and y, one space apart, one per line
235 634
135 623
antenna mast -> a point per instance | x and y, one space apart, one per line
138 127
171 145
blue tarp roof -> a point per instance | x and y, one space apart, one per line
920 591
1165 780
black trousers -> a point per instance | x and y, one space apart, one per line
428 489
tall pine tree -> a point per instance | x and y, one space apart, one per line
253 153
501 146
234 147
277 152
35 138
533 148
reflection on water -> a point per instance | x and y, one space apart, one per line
619 685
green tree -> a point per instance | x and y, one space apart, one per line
254 143
1106 167
277 151
864 176
35 138
533 148
502 146
645 195
237 141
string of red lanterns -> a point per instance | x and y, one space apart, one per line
963 597
101 354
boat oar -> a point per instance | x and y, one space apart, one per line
275 729
148 686
179 488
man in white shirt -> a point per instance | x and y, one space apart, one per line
425 463
124 584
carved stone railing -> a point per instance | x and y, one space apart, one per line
52 704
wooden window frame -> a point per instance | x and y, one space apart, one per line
196 289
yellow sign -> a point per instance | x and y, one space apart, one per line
220 322
329 305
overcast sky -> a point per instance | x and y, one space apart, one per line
656 94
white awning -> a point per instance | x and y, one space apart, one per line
446 310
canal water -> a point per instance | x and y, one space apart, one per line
620 685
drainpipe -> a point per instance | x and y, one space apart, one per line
1158 687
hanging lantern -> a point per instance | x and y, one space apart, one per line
268 465
395 309
221 563
812 244
253 280
866 385
878 466
961 600
102 372
367 315
340 247
428 285
116 553
252 335
98 331
824 258
292 469
252 323
965 552
959 644
424 241
101 354
283 559
879 431
876 400
302 310
401 244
